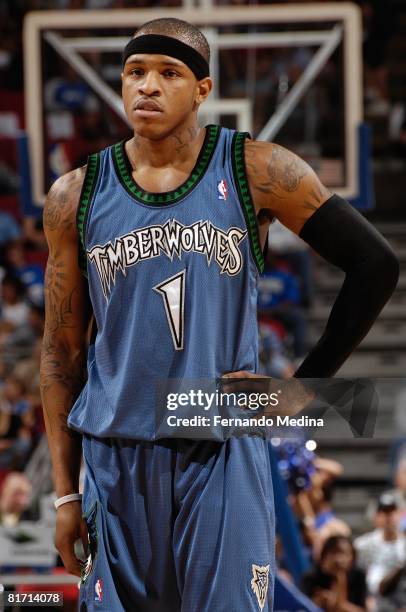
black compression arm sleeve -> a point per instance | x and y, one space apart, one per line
342 236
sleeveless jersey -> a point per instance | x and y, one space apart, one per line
172 280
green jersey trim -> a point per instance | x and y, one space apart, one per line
86 195
124 172
245 198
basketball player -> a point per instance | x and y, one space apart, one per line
170 226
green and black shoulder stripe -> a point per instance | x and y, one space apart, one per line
86 195
124 172
245 197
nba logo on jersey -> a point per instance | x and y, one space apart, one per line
222 189
98 588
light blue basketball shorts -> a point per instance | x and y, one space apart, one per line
178 526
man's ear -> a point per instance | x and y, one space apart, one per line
204 88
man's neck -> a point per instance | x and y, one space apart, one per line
390 535
180 146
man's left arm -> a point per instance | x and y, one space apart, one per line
284 186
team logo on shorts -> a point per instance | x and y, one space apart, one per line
260 583
98 589
222 189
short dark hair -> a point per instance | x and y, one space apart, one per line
177 28
331 544
13 281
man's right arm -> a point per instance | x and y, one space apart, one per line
63 357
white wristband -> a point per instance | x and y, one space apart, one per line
66 499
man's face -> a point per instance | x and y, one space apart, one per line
17 498
160 93
12 390
388 520
339 559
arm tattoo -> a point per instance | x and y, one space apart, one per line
278 179
285 170
58 371
315 198
59 304
60 375
64 427
283 174
317 195
62 368
56 212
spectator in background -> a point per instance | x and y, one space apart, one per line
279 298
287 245
18 344
34 233
399 490
14 309
392 591
16 423
28 370
31 275
68 92
336 584
326 523
9 229
272 357
15 499
382 550
315 505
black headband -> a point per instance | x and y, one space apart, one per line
166 45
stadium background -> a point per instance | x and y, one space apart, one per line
334 484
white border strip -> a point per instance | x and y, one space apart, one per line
242 108
131 18
224 41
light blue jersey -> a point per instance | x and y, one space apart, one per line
174 525
173 282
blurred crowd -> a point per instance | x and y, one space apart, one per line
21 329
346 572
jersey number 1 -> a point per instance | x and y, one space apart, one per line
172 291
